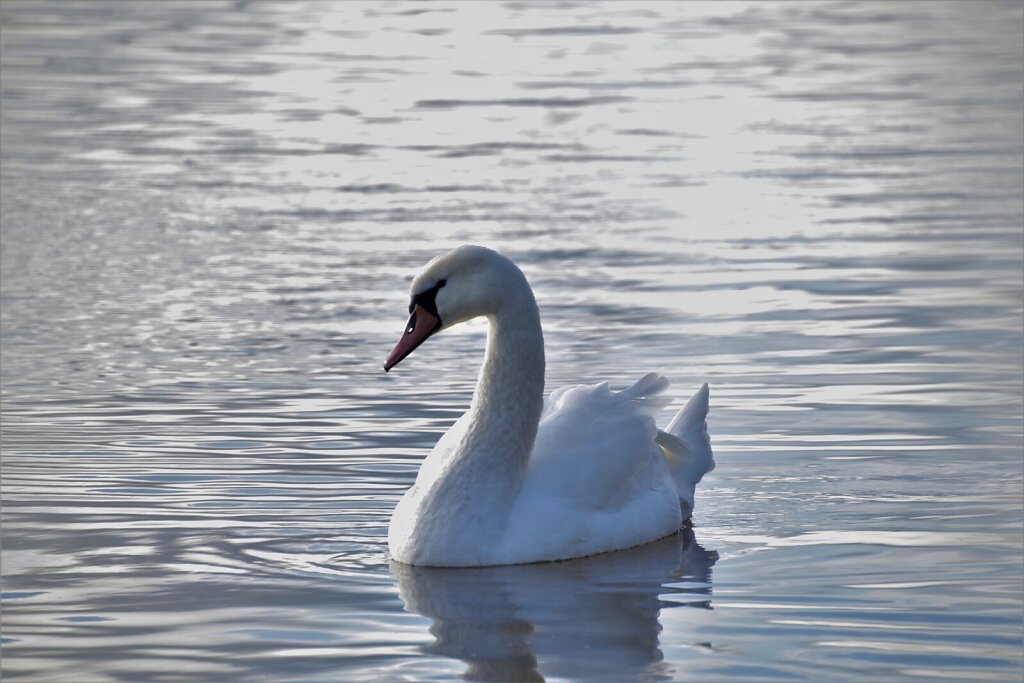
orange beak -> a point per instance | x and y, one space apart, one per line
422 323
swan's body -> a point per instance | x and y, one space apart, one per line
519 479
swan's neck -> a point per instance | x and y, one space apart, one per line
489 461
509 394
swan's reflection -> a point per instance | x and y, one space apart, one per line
591 618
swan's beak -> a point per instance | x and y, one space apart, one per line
422 323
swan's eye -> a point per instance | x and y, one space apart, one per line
426 298
412 324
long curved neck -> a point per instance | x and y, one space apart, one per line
509 395
503 417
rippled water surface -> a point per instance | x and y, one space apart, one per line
211 212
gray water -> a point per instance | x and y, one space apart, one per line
211 212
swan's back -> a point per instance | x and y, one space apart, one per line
600 478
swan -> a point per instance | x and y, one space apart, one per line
520 479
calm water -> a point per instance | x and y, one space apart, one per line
211 212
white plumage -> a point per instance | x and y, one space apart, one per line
522 479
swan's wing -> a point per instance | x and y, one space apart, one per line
594 445
596 480
646 394
596 448
648 390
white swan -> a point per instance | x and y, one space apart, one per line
519 479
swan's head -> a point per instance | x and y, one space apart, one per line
465 283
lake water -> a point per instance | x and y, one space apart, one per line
211 213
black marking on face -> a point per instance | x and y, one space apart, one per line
427 299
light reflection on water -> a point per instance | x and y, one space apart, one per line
504 621
210 215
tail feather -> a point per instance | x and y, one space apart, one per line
687 447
